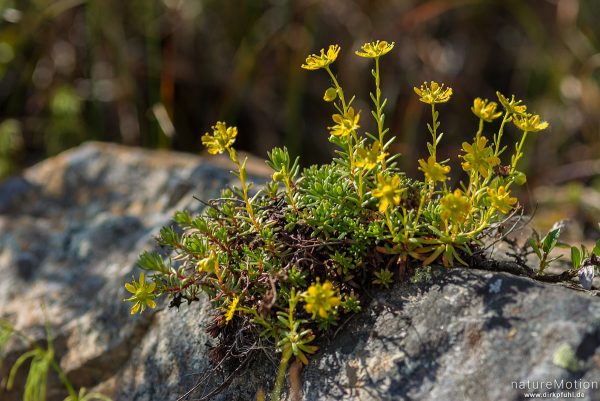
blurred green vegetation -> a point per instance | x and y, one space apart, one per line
158 73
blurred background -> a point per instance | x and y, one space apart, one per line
158 73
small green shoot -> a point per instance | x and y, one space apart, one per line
543 246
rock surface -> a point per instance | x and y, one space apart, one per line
71 229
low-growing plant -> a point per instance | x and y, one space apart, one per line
586 263
284 263
543 246
42 360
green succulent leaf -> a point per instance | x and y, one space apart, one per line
550 240
576 257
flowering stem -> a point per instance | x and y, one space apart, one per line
388 221
338 88
469 188
420 209
483 225
340 93
473 183
351 151
433 151
405 223
242 170
378 102
360 187
480 130
351 157
378 115
518 153
500 132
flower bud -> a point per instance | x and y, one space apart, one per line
330 95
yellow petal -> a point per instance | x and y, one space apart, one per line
135 308
383 205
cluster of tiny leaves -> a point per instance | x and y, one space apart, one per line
287 261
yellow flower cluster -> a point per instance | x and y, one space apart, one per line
530 123
231 310
222 138
375 49
485 109
455 207
388 191
345 124
479 157
501 200
433 93
208 264
320 299
143 294
513 106
315 61
433 170
368 158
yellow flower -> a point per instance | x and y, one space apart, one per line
388 190
320 299
485 110
455 206
315 62
433 93
530 123
375 49
433 170
368 158
208 264
501 199
479 157
143 294
345 124
231 309
513 106
221 139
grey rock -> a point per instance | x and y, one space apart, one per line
456 338
71 229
